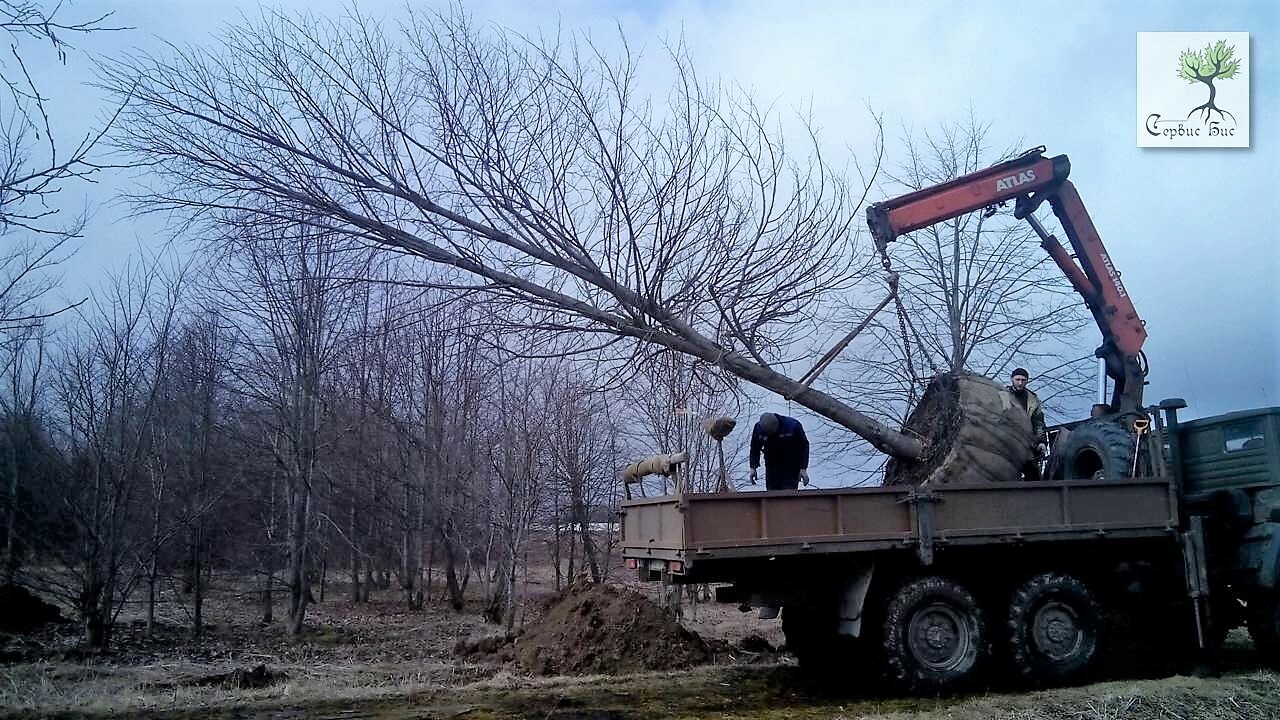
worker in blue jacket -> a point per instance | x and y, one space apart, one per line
786 452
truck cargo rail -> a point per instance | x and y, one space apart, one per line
689 528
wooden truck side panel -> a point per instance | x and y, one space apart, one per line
692 528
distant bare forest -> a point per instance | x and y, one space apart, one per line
436 288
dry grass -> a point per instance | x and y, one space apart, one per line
380 659
1234 697
66 687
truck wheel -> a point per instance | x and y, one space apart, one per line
1264 625
1100 449
1055 627
933 635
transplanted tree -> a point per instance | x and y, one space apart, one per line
537 168
1217 61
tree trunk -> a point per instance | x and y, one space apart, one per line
589 553
428 585
555 552
466 573
152 572
498 599
153 566
581 515
299 523
571 571
509 615
9 561
451 579
197 583
92 613
409 552
95 631
268 604
356 595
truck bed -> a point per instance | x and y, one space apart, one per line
681 531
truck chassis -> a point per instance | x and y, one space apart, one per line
930 583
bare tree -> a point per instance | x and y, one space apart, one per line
33 168
583 453
520 467
537 169
28 273
107 386
193 448
445 402
378 491
288 288
22 366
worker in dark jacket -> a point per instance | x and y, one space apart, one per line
1029 401
786 452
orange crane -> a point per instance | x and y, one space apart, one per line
1028 180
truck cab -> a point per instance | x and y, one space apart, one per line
1228 467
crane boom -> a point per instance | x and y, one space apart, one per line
1028 180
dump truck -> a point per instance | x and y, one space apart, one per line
1144 525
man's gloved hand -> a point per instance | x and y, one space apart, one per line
1042 450
753 476
804 477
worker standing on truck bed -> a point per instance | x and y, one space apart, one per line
786 452
1030 402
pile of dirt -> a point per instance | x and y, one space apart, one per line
21 611
591 629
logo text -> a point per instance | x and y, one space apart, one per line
1013 181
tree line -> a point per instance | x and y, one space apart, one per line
437 286
295 416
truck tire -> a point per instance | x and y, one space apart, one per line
1264 625
1100 449
1055 630
933 635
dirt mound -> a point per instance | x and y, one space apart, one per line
21 611
600 629
593 629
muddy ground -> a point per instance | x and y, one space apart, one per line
378 660
736 693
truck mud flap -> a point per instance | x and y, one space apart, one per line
853 598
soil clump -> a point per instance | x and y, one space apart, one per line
21 611
596 629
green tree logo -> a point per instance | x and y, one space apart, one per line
1217 61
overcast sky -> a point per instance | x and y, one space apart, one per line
1193 231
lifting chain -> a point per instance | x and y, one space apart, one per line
903 322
